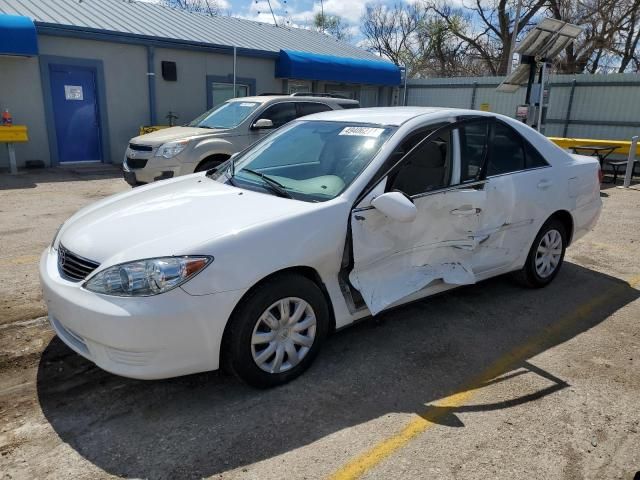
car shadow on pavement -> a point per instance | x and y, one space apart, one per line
205 424
32 178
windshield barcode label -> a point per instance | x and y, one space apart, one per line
362 131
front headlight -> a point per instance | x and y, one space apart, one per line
146 277
171 149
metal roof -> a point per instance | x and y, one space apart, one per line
145 19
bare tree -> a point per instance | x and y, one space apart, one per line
333 25
393 32
487 26
628 47
435 38
209 7
610 38
412 35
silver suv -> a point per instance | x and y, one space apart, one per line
217 134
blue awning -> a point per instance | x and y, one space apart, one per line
18 36
313 66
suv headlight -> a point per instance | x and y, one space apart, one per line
171 149
146 277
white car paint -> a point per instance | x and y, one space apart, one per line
460 235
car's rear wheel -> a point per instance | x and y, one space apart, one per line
546 255
277 331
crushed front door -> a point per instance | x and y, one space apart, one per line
393 259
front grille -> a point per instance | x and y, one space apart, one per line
136 162
141 148
74 267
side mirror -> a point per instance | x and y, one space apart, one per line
262 123
396 205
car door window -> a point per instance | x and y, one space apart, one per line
426 168
533 158
280 113
507 151
308 108
473 149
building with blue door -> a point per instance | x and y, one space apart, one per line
84 76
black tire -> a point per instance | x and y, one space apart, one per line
237 347
529 275
207 165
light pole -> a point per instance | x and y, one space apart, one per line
514 36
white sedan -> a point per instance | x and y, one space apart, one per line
332 218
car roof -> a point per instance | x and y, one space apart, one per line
296 98
394 116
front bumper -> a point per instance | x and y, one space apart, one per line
156 168
130 178
161 336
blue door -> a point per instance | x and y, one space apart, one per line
76 115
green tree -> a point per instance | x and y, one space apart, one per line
333 25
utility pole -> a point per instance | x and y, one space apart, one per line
272 14
512 47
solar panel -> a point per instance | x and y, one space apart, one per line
544 42
512 83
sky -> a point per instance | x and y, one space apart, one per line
298 12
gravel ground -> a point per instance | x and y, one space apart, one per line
491 380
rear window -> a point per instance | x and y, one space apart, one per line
533 158
309 108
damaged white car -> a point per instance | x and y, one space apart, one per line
330 219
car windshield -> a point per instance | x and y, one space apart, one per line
227 115
307 160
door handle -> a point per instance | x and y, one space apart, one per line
544 184
466 210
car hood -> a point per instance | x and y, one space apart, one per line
170 134
175 217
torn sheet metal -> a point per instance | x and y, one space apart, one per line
384 284
393 260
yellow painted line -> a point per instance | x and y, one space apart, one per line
21 260
374 456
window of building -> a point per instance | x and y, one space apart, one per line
299 86
221 92
344 91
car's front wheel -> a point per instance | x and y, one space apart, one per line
546 255
208 165
277 331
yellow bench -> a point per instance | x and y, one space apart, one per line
623 146
10 135
13 134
